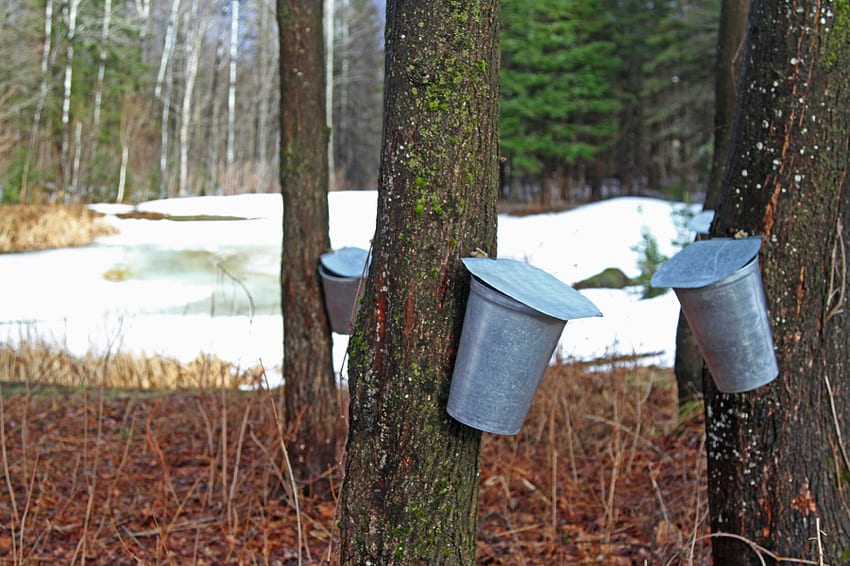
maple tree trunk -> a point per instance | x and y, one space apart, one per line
777 456
411 487
310 395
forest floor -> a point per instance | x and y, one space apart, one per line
605 471
149 461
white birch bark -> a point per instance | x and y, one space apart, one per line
78 151
167 51
122 175
94 134
193 54
101 69
267 69
168 46
70 12
42 96
143 9
231 94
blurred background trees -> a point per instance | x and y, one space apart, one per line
136 99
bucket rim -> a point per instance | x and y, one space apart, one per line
532 287
330 276
488 293
704 262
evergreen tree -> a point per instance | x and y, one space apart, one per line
679 87
557 98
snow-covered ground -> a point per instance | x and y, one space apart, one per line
179 288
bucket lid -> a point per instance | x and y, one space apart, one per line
701 222
705 262
532 287
345 262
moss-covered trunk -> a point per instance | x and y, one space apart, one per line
777 456
411 486
310 390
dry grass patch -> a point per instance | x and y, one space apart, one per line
27 228
40 363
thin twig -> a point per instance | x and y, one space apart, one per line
818 540
239 282
278 426
838 246
632 432
658 495
835 422
761 551
6 473
697 518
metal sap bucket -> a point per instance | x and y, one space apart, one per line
718 283
342 273
514 318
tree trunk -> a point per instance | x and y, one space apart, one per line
231 97
263 103
730 45
193 53
310 392
777 458
46 57
101 74
70 13
166 81
730 41
411 486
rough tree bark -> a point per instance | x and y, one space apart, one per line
730 44
777 456
411 487
310 395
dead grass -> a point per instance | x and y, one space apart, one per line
26 228
40 363
604 471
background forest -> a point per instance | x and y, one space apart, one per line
136 99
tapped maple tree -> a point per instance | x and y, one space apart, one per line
777 459
411 486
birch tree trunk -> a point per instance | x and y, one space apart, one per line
190 73
42 96
231 95
164 80
70 14
101 72
267 72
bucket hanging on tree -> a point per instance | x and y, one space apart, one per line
718 283
342 273
514 318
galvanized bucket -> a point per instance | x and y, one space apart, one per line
514 318
718 283
342 273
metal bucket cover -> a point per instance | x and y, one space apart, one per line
701 222
532 287
705 262
345 262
